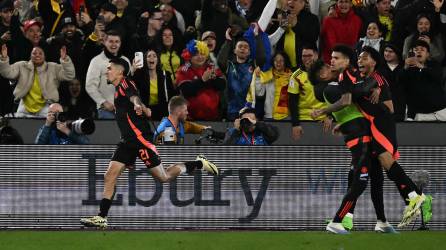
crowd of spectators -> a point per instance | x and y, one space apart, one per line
57 51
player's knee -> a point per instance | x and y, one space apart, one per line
163 179
386 160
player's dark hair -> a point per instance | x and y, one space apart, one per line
313 73
345 50
318 84
121 62
176 102
373 54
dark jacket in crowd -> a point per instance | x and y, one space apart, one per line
218 22
74 108
140 41
424 89
6 97
50 16
74 49
303 35
90 50
187 9
396 89
165 91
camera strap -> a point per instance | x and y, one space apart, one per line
246 137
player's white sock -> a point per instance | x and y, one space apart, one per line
412 195
182 169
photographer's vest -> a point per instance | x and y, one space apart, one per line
165 123
255 138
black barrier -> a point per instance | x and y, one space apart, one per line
279 188
409 133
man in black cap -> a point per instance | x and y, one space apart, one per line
422 81
70 37
248 131
131 116
108 16
52 12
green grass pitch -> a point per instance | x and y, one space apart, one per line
209 240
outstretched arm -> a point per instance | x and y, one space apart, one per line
267 13
344 101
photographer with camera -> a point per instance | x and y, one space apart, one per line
171 129
57 131
248 131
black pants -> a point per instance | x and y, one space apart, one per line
360 150
376 188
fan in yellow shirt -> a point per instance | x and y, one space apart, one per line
301 93
273 84
34 100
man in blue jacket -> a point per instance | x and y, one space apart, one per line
248 131
55 131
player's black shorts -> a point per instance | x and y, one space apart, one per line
126 152
383 130
355 128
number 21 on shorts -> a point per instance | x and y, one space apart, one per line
143 154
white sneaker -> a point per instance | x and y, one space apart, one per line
95 221
336 228
208 165
384 227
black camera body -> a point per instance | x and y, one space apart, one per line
214 137
61 116
246 125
